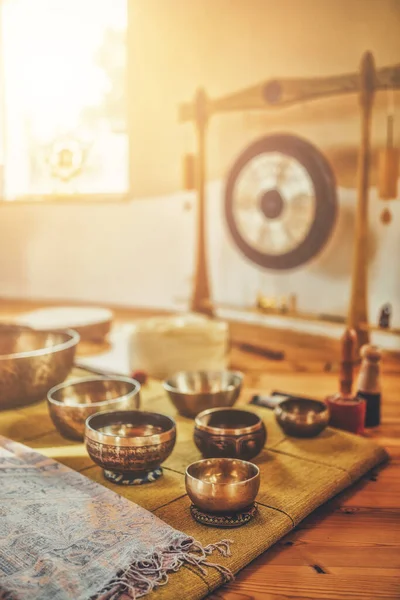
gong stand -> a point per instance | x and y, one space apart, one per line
279 93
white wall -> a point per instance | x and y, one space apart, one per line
142 254
134 253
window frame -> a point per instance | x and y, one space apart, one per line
91 198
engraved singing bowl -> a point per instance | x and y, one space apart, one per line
300 417
192 392
229 433
129 444
72 402
31 362
222 485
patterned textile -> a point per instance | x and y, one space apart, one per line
64 537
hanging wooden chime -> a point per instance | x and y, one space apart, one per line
388 167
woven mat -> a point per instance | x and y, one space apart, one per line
297 476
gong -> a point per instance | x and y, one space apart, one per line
280 201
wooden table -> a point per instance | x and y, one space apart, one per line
350 547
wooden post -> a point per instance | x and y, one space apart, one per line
201 301
358 310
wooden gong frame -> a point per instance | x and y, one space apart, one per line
279 93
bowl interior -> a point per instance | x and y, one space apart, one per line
303 410
203 382
15 342
227 418
131 430
130 424
92 391
222 471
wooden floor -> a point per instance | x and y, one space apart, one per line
350 547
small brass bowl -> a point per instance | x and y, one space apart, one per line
192 392
229 433
31 362
72 402
130 444
302 418
222 485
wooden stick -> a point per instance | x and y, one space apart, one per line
260 351
278 93
347 359
201 301
359 281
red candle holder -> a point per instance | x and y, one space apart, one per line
347 413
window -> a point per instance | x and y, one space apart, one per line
64 126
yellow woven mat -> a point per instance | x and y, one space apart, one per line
297 476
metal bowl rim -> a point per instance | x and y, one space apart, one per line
170 388
73 340
233 483
78 380
225 430
110 439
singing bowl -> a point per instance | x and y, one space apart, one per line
92 323
222 485
72 402
31 362
129 442
229 433
300 417
192 392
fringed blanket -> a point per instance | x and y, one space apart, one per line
64 537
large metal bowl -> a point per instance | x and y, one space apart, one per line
31 362
191 392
